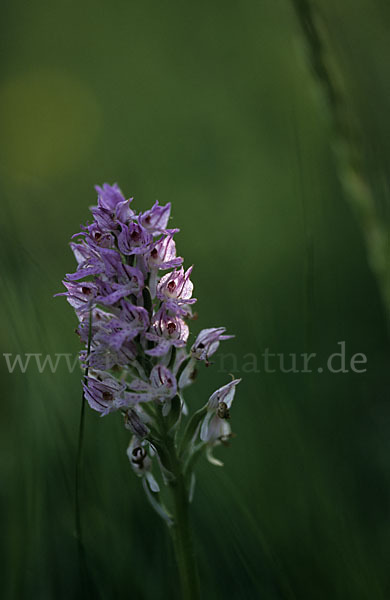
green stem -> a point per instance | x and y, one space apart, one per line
183 541
181 528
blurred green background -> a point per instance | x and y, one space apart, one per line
215 108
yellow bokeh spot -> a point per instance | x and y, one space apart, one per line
49 121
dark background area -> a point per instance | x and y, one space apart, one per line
215 108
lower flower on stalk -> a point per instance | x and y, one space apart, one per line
133 314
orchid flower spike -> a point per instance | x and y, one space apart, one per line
133 301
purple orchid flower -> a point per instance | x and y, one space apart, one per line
161 257
130 322
102 392
167 331
161 386
109 196
112 207
92 261
80 295
104 358
207 342
156 219
97 238
175 289
134 239
88 259
130 281
99 320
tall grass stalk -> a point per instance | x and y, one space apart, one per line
348 150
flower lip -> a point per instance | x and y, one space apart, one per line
166 330
222 410
171 327
133 239
138 455
176 286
